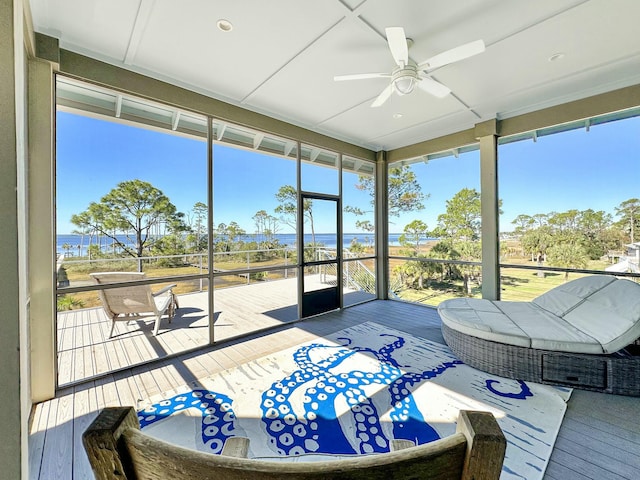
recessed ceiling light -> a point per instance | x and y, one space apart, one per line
224 25
397 115
556 56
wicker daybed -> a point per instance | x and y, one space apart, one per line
582 334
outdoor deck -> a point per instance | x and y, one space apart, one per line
599 438
85 349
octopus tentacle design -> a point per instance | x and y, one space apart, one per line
218 418
322 385
326 405
524 392
408 422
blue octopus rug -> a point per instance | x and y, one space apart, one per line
351 393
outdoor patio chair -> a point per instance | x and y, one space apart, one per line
116 447
127 303
580 334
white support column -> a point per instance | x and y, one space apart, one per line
486 132
210 218
13 295
42 317
382 226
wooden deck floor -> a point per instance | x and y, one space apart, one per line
85 349
599 438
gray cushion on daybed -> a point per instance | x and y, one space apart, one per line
596 314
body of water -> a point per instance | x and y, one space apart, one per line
78 245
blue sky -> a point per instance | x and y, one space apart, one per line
93 156
578 169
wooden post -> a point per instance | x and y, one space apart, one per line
486 445
236 447
101 439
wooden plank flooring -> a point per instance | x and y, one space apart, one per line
599 438
85 349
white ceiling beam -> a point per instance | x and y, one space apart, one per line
284 64
355 12
257 140
220 133
288 148
118 105
175 120
357 164
142 17
315 153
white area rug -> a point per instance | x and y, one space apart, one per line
350 394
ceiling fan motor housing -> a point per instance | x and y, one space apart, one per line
405 79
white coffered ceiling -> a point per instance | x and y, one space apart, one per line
281 56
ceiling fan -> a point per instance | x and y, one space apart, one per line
408 74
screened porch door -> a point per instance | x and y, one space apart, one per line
321 283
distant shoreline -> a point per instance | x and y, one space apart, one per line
78 244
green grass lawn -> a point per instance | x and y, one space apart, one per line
516 285
78 274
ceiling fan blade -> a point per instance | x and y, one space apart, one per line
384 96
361 76
398 45
455 54
436 89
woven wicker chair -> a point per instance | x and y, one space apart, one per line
581 334
126 303
118 449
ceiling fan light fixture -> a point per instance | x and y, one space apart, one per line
556 56
404 84
408 74
224 25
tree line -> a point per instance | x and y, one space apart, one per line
563 239
140 220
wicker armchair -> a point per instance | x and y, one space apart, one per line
123 303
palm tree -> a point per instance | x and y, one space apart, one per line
567 255
81 232
66 247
